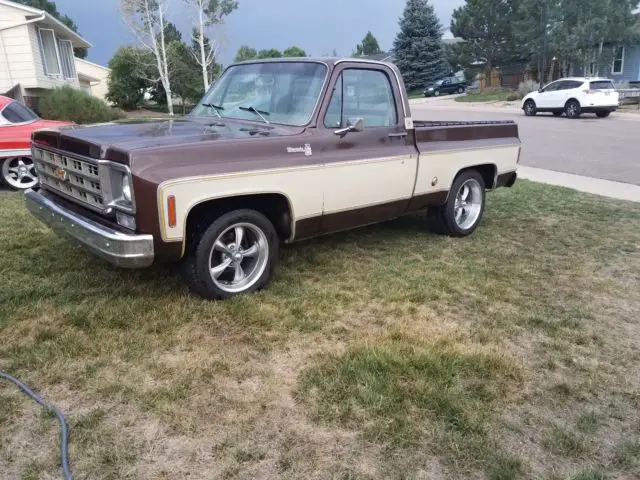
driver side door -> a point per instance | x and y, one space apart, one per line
368 175
547 99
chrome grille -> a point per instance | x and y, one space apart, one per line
73 177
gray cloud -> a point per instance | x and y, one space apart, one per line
318 26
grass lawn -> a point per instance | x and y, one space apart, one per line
386 352
489 96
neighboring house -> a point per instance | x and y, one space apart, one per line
92 78
36 52
624 67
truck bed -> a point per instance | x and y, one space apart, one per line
471 134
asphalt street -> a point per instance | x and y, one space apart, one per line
601 148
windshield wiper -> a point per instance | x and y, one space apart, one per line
215 108
260 113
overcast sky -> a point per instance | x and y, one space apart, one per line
318 26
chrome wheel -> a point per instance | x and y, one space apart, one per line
239 257
19 172
468 204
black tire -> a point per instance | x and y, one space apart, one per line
572 109
196 264
461 90
442 219
436 93
529 108
603 114
557 114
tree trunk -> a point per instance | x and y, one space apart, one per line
203 53
163 64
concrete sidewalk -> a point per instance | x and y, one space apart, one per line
606 188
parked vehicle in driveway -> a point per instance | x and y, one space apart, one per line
445 85
315 147
17 123
573 97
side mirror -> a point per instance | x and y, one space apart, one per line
353 125
539 90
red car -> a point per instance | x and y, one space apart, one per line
17 123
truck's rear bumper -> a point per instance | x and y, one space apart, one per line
121 249
506 179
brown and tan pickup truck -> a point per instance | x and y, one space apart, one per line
276 151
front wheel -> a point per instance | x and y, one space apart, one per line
436 93
462 212
19 173
603 114
236 254
529 108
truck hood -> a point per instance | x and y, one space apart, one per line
116 140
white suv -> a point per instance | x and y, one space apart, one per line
574 96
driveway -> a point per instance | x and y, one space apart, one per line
593 147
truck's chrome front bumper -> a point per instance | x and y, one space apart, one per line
121 249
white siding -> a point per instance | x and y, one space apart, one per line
16 55
96 71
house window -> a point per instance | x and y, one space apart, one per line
618 61
49 51
65 48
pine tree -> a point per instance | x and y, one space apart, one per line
418 49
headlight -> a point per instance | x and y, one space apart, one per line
430 88
126 188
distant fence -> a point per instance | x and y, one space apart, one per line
629 96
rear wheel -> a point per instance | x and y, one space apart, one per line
462 213
460 89
19 173
529 108
572 109
603 114
236 254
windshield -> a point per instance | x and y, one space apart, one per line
274 92
17 113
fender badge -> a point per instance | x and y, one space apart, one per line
306 150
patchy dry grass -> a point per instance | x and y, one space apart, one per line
386 352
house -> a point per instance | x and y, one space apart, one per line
36 52
92 77
622 66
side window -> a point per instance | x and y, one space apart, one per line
362 93
552 87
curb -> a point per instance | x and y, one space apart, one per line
596 186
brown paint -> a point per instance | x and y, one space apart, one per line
159 151
350 219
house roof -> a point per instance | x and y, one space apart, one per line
87 62
49 20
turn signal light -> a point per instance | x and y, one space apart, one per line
171 209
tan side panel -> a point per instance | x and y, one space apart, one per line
444 166
345 186
359 184
302 187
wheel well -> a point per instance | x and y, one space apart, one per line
487 171
274 206
572 100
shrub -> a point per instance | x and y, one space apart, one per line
513 96
70 104
527 87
